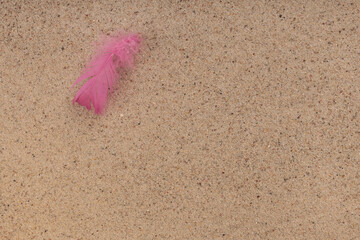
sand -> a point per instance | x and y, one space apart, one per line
239 121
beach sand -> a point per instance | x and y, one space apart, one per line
240 120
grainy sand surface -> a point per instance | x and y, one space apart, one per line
240 121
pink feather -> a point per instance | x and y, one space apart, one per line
117 52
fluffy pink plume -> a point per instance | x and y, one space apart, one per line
101 73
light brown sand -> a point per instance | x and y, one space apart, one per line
240 121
